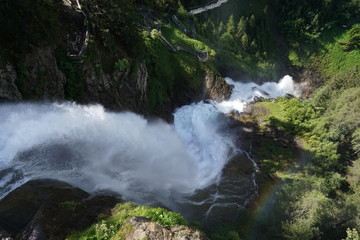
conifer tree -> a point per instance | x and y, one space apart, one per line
230 26
245 41
241 28
220 28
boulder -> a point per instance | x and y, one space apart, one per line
258 99
216 87
139 228
50 209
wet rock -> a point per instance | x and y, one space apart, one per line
141 78
18 208
50 209
8 88
142 228
4 235
57 220
223 201
289 96
240 166
78 35
258 99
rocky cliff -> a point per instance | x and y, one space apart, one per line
90 61
8 88
56 70
50 209
216 87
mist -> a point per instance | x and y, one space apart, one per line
96 150
124 153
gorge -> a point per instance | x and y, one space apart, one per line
118 120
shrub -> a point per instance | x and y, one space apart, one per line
121 65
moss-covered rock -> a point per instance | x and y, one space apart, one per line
131 222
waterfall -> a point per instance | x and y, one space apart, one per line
144 161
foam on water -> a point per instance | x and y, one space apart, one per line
199 126
243 93
95 149
122 152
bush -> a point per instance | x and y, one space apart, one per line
121 65
352 234
352 41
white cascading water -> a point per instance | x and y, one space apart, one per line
94 149
243 93
198 125
122 152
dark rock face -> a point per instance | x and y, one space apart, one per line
47 71
50 209
216 87
310 79
117 90
8 89
18 208
51 72
40 77
258 99
44 73
4 235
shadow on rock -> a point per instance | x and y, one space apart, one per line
50 209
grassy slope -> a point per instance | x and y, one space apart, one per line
325 126
315 120
231 55
326 53
168 71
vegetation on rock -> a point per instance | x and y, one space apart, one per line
317 196
113 227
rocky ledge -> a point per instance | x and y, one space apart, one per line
142 228
49 209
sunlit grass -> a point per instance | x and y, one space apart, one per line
176 36
111 227
326 53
